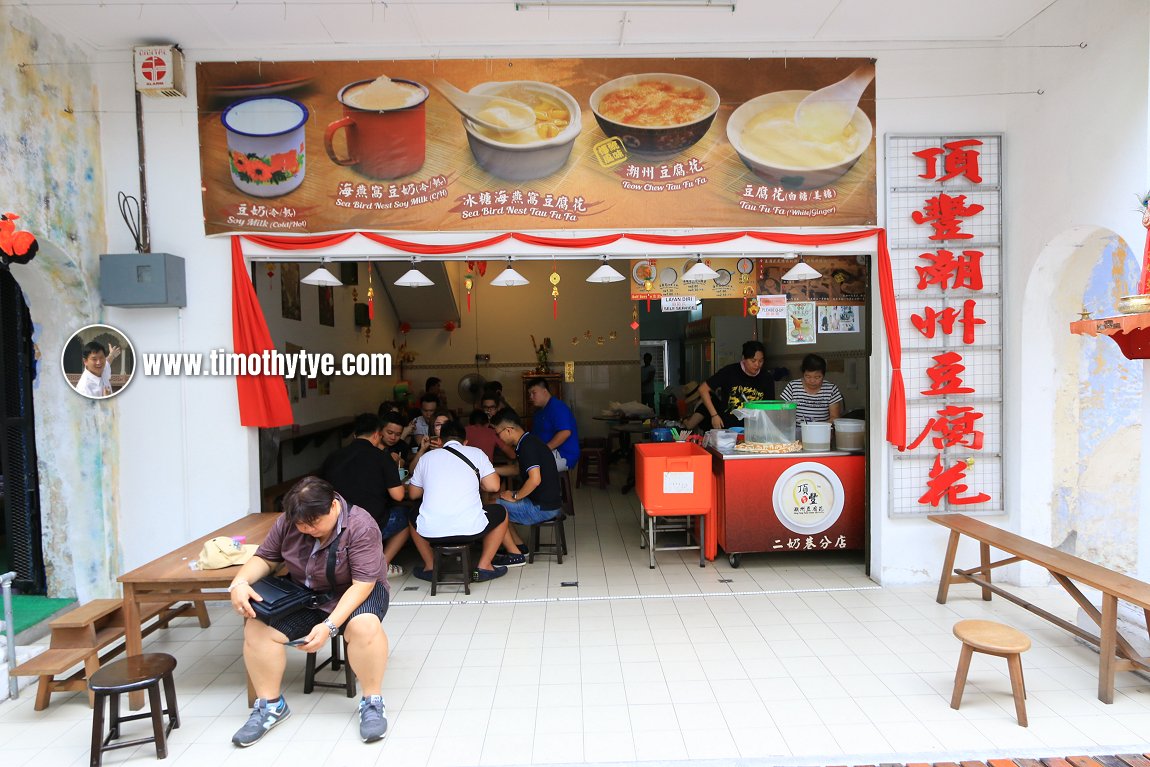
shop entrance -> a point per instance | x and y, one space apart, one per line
20 549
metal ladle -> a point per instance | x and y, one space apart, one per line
825 113
472 105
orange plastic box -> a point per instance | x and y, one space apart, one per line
672 475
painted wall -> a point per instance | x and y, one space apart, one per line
51 176
1059 173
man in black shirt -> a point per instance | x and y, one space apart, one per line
391 442
538 498
367 477
739 382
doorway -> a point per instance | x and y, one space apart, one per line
20 541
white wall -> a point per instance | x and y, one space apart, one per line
1075 154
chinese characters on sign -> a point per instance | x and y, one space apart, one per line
946 230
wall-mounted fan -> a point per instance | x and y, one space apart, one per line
471 388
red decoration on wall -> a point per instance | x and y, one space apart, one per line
15 245
405 327
449 326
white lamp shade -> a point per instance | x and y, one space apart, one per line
606 273
413 278
509 278
323 278
699 272
801 271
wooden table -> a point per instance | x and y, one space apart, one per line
1115 653
169 579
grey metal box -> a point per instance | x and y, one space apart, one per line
142 280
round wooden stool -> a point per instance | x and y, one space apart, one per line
993 639
136 672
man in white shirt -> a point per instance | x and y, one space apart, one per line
96 380
449 481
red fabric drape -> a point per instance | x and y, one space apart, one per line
263 399
896 409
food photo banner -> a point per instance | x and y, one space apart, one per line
311 147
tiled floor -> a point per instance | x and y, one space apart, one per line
787 660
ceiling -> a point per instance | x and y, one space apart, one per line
247 29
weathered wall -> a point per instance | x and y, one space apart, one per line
51 177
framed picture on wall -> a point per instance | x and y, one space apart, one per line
800 322
326 306
289 291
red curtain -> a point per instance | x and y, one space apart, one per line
896 407
263 399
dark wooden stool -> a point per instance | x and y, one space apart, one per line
336 660
592 467
136 672
463 552
566 495
558 545
993 639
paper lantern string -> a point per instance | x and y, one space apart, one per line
469 283
554 294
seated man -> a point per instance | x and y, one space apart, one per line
554 423
391 441
452 513
538 498
481 435
366 477
317 523
420 426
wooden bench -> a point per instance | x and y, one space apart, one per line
271 497
1116 654
79 636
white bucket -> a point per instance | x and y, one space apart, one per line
816 436
850 434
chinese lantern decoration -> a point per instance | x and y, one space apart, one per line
649 282
271 273
405 328
748 294
554 294
371 299
16 246
449 326
635 322
477 266
468 284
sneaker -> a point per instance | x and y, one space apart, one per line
478 576
421 574
395 571
509 560
264 716
372 719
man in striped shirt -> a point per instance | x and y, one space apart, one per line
816 398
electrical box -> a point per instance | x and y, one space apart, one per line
142 280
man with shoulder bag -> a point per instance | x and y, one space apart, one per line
337 583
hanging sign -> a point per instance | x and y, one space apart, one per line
308 147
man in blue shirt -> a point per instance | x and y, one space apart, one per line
554 423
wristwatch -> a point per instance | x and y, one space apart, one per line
515 495
332 629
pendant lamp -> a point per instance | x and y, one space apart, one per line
606 273
801 271
699 272
509 278
323 278
413 278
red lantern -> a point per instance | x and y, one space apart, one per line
405 327
449 326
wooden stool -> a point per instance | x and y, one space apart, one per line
566 495
592 467
463 552
993 639
558 545
337 659
136 672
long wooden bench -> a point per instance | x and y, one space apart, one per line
1116 653
81 636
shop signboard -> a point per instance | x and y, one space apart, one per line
945 228
613 144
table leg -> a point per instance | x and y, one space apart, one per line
133 639
200 608
947 566
984 560
702 540
1108 647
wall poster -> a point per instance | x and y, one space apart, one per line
308 147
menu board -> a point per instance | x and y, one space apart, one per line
842 280
310 147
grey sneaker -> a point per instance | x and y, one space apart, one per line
263 718
372 719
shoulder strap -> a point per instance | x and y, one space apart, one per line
463 458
